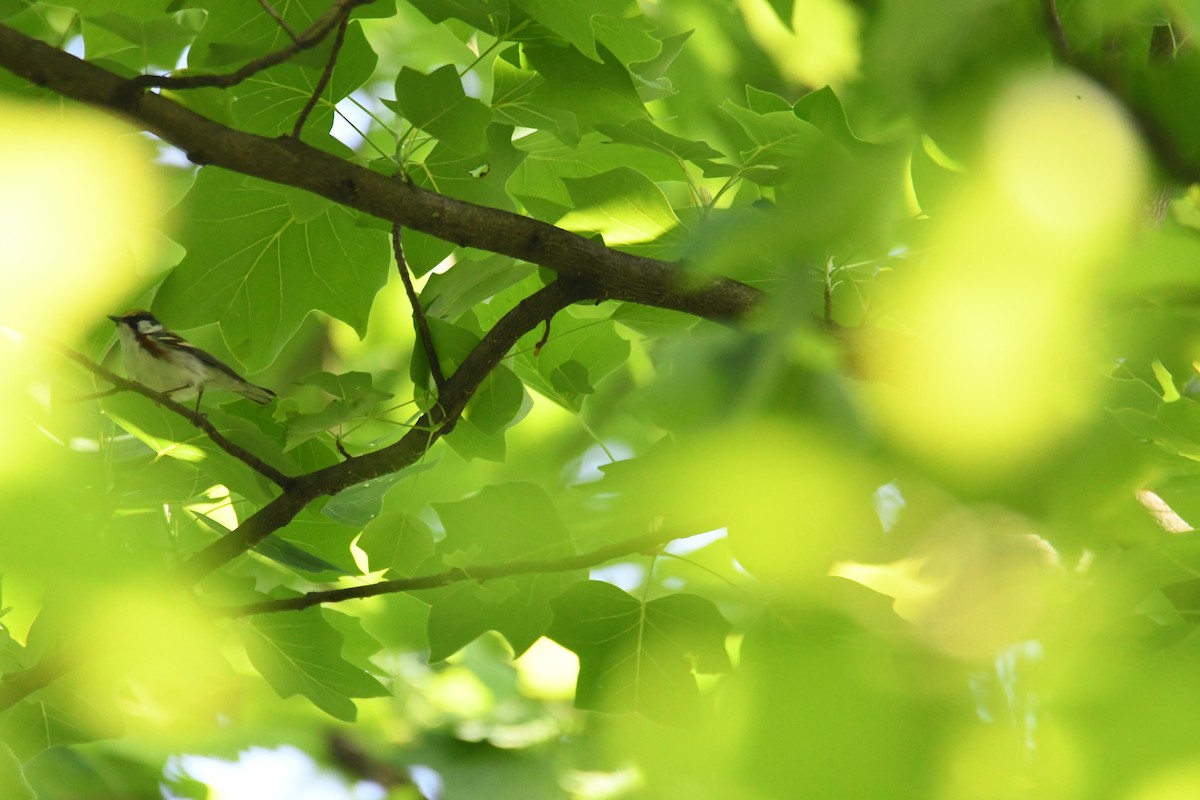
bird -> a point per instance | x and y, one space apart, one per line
171 365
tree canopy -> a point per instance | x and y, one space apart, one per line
752 399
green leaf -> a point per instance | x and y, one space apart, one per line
362 502
629 37
503 522
571 378
636 656
823 109
764 102
12 777
470 442
590 342
539 181
397 542
33 726
353 397
437 104
658 322
644 133
518 608
570 19
622 205
300 653
270 102
278 549
497 402
452 343
479 178
136 42
450 294
180 450
778 137
231 36
783 9
594 93
257 271
512 103
492 16
290 555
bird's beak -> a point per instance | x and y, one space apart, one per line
115 319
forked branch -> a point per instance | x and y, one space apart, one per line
336 16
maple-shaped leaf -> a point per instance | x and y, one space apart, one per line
636 656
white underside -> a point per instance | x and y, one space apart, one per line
181 375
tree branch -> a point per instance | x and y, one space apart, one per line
16 686
326 75
419 321
275 15
337 15
615 274
433 424
1058 37
482 572
199 420
1158 138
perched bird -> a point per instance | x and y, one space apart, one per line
171 365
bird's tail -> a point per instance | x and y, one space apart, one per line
258 394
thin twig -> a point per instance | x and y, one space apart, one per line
326 75
641 544
199 420
422 324
537 348
1058 37
307 40
275 15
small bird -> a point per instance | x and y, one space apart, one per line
169 364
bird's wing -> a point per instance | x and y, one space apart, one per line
173 341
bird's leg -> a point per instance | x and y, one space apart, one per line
170 392
199 394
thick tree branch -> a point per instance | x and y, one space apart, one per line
337 15
615 274
199 420
436 422
483 572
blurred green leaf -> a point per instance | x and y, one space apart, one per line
503 522
12 777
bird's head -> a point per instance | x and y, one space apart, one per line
138 321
